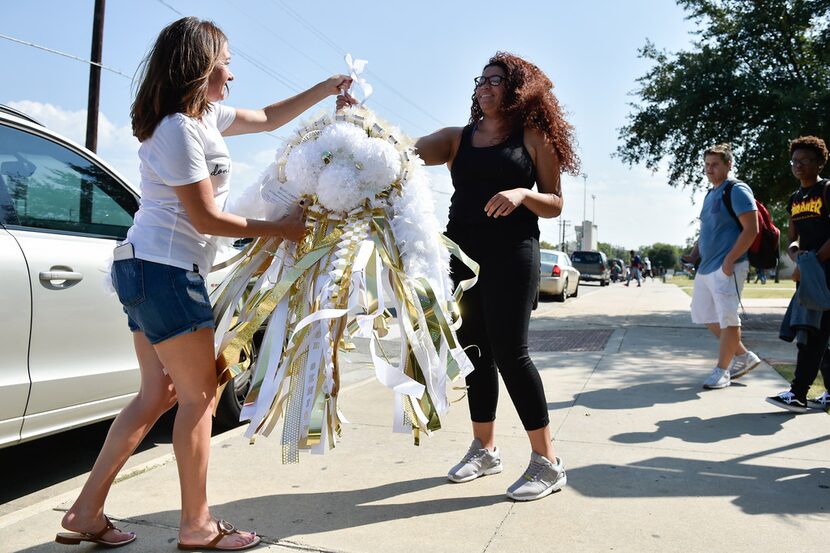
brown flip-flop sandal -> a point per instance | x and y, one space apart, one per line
74 538
225 529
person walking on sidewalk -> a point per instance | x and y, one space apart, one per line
635 264
517 136
722 247
159 272
809 225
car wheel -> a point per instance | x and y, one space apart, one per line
564 295
235 392
576 290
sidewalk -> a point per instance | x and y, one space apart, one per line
654 462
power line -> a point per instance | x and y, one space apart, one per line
281 39
292 86
262 67
64 54
334 46
315 62
171 7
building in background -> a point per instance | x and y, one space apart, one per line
586 236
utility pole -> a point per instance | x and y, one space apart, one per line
95 77
594 208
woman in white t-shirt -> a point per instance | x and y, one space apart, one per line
159 272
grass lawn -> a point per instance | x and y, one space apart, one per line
771 289
787 371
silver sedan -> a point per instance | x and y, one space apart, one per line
558 277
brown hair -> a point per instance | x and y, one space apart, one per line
723 150
174 75
529 103
813 144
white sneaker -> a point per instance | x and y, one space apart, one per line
718 379
821 402
477 462
541 479
742 364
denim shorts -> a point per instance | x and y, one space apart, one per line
160 300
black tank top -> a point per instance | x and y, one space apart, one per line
810 216
477 175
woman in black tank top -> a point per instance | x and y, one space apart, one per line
517 137
809 215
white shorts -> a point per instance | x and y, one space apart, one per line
716 297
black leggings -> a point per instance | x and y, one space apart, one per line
496 315
812 356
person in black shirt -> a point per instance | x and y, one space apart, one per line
809 213
516 137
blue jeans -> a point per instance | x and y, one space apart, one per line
160 300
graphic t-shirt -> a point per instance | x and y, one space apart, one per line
182 150
718 229
810 216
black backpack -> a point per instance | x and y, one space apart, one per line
763 253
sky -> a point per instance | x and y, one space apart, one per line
422 58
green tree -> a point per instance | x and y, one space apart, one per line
757 76
612 252
547 245
662 254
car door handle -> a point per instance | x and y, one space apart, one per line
59 280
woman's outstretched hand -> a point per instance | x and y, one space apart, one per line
345 100
337 84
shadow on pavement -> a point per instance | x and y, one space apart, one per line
637 396
284 515
707 431
756 489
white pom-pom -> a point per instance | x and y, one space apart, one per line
337 188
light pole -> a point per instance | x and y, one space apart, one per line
594 208
584 195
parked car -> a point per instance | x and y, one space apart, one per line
592 266
68 357
558 277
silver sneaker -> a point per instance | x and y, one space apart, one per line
742 364
539 480
718 379
477 462
821 402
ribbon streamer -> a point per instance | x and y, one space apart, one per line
356 67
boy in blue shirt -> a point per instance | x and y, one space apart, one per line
722 247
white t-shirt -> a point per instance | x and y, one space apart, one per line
182 150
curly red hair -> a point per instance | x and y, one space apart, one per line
529 102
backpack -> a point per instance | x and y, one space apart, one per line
763 253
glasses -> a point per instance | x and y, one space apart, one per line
801 162
495 80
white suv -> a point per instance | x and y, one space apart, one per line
66 354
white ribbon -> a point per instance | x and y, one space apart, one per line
356 67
